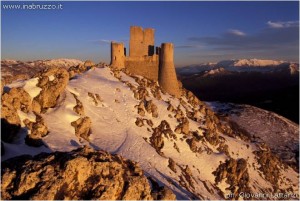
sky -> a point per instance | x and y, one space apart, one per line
201 31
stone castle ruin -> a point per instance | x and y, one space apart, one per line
156 63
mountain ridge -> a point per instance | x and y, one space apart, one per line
180 143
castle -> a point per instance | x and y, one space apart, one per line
156 63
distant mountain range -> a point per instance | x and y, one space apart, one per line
241 65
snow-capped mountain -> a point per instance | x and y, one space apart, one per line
179 143
243 65
250 63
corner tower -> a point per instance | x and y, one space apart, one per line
167 76
117 55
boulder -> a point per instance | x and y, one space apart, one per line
82 174
38 130
82 127
51 89
12 101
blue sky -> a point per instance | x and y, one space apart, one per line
200 31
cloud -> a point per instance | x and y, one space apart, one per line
107 41
283 24
236 32
277 42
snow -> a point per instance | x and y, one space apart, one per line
250 62
114 130
31 88
62 62
28 85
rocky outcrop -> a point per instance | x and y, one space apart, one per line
37 130
53 82
12 101
269 165
82 174
157 138
81 68
151 108
183 127
82 127
235 173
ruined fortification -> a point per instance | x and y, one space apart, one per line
156 63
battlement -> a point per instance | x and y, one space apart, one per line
156 63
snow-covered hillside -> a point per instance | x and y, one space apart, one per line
178 142
279 133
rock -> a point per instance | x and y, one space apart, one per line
183 127
140 108
139 122
79 69
89 64
78 108
12 101
17 98
36 107
82 127
163 130
51 90
141 93
151 108
193 144
235 173
164 193
38 130
82 174
269 165
172 165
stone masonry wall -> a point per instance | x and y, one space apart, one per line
146 66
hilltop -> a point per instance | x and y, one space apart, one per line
182 147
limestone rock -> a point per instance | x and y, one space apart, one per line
269 165
82 127
82 174
183 127
172 165
51 89
89 64
38 130
78 108
81 68
163 130
235 173
12 101
17 99
139 122
151 108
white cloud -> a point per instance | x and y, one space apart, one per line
236 32
283 24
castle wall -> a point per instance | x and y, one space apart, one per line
167 75
141 41
117 55
146 66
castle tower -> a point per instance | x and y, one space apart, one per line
167 76
117 55
141 41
